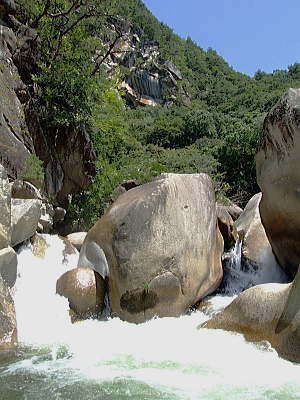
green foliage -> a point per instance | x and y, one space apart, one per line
216 133
33 170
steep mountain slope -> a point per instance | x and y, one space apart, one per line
99 62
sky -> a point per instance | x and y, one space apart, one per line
248 34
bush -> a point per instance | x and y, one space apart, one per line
33 171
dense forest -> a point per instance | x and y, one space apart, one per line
210 122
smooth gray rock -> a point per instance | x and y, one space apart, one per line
25 217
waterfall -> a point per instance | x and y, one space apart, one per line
235 279
42 315
241 274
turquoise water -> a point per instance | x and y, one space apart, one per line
162 359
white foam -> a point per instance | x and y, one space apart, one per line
169 354
42 315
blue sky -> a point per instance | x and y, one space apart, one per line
248 34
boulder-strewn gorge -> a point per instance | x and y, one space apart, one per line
157 251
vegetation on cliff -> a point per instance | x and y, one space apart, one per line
212 125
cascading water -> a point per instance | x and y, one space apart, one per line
162 359
239 274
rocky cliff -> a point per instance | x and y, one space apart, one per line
147 78
67 156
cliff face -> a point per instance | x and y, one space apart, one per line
147 78
68 156
15 141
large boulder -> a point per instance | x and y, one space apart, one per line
256 249
8 323
5 209
255 313
160 245
85 290
25 217
278 175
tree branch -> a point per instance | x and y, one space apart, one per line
108 53
74 6
36 21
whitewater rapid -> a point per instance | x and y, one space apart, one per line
169 358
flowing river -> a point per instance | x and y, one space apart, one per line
162 359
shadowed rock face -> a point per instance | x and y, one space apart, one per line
226 226
256 248
5 209
161 247
138 300
68 155
278 175
15 142
8 323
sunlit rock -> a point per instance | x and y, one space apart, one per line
278 175
25 217
255 313
160 245
76 239
85 290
